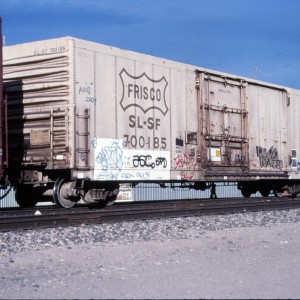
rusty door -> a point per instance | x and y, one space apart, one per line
223 125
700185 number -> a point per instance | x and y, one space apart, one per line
144 142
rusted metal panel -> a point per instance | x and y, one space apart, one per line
224 119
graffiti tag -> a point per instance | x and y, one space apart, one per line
186 176
86 91
146 161
269 158
183 161
111 157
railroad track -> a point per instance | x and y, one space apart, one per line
21 219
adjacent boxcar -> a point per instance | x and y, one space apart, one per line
84 118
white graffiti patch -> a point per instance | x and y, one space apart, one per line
113 162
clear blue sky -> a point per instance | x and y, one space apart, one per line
252 38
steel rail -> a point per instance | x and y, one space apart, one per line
22 220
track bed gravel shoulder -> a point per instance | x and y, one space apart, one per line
250 255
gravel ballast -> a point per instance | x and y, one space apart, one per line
246 255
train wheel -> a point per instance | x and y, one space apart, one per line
61 194
264 192
246 192
25 197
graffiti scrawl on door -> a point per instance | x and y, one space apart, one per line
269 158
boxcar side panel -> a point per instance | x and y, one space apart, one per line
143 109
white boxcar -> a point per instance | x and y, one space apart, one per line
84 117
